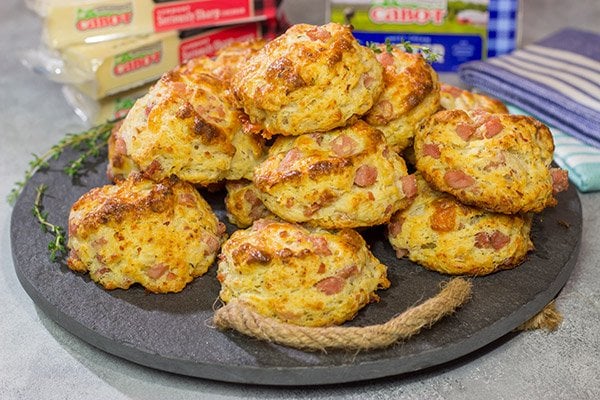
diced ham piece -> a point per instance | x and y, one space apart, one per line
343 146
320 244
153 168
322 268
465 131
458 179
409 185
496 240
366 175
290 158
482 240
368 80
318 33
385 58
431 150
385 111
347 272
260 224
560 180
212 244
330 285
493 126
157 270
401 253
179 88
120 145
395 226
221 228
499 240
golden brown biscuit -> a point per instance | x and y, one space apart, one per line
453 98
160 235
344 178
410 94
231 58
310 79
243 205
119 164
188 126
497 162
441 234
300 276
250 150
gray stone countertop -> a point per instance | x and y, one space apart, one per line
40 360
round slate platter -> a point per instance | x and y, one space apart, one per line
173 332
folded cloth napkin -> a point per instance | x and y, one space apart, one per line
557 80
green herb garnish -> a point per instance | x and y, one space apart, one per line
406 46
57 245
89 142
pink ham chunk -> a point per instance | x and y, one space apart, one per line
366 175
458 179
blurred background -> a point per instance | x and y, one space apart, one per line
107 53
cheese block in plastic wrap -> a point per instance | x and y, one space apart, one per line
69 22
106 68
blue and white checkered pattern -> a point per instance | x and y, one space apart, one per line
502 27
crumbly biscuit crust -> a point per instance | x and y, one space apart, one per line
498 162
311 78
160 235
309 277
344 178
444 235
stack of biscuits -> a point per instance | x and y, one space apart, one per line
308 135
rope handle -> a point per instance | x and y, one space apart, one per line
242 318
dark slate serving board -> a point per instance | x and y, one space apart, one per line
173 332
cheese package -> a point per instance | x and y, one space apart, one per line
94 112
69 22
458 31
105 68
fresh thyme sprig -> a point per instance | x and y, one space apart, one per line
89 142
408 47
57 245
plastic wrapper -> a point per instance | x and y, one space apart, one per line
94 112
103 69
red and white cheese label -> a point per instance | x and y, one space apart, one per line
209 44
200 13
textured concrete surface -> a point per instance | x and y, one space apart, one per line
38 359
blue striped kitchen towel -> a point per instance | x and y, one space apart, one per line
557 80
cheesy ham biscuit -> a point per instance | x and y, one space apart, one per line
188 126
302 276
442 234
160 235
452 98
310 79
232 57
411 93
497 162
243 204
344 178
